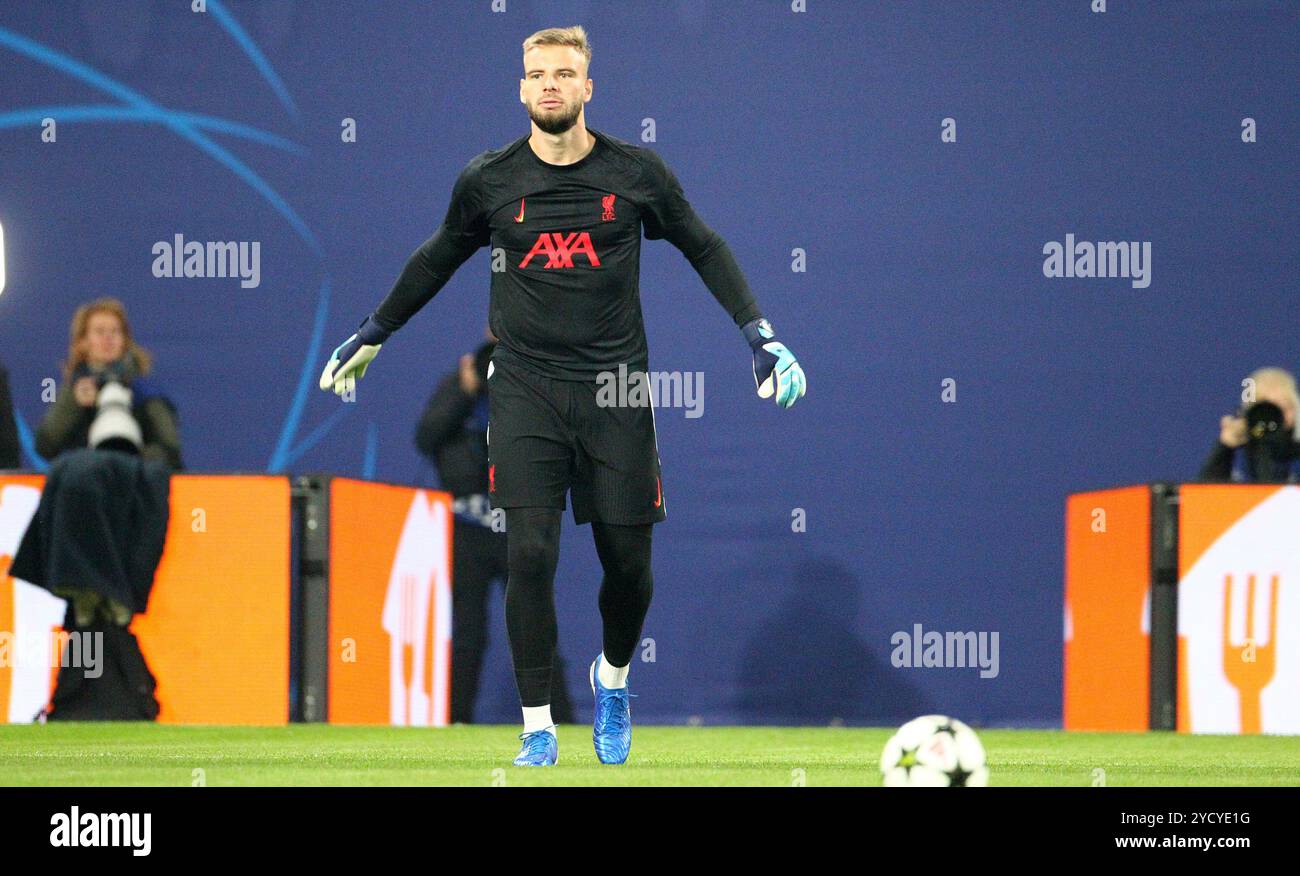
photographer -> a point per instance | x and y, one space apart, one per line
98 533
1264 429
452 434
101 353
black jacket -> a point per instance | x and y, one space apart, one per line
452 433
9 451
1218 466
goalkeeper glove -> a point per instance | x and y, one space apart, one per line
351 358
776 371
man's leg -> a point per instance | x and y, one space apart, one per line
529 470
561 704
618 488
533 552
625 593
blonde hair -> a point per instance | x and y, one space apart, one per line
561 36
1286 381
81 324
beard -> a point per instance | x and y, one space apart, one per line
555 121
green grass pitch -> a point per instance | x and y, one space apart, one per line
162 755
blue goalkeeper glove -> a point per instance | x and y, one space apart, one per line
351 358
776 371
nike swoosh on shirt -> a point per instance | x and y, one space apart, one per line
520 217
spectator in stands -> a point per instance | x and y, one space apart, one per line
1265 429
452 434
9 455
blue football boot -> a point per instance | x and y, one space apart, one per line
539 749
611 732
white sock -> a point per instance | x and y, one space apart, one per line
612 676
537 718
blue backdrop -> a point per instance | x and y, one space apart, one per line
817 130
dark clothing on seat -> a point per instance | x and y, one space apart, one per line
101 526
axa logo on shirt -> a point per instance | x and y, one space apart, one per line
560 248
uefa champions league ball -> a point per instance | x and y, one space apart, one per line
934 751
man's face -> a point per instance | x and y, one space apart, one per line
555 87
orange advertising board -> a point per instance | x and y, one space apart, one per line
1107 651
389 604
216 634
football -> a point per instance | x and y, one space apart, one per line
934 751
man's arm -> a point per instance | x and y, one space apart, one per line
669 215
463 231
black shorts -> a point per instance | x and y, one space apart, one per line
546 436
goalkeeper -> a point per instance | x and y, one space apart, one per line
564 209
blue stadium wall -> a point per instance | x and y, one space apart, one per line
819 130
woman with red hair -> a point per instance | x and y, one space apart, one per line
103 353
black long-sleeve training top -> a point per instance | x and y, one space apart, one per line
566 249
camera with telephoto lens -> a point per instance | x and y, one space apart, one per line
114 426
1269 447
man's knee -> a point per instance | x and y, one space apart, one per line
624 553
534 558
630 571
534 543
